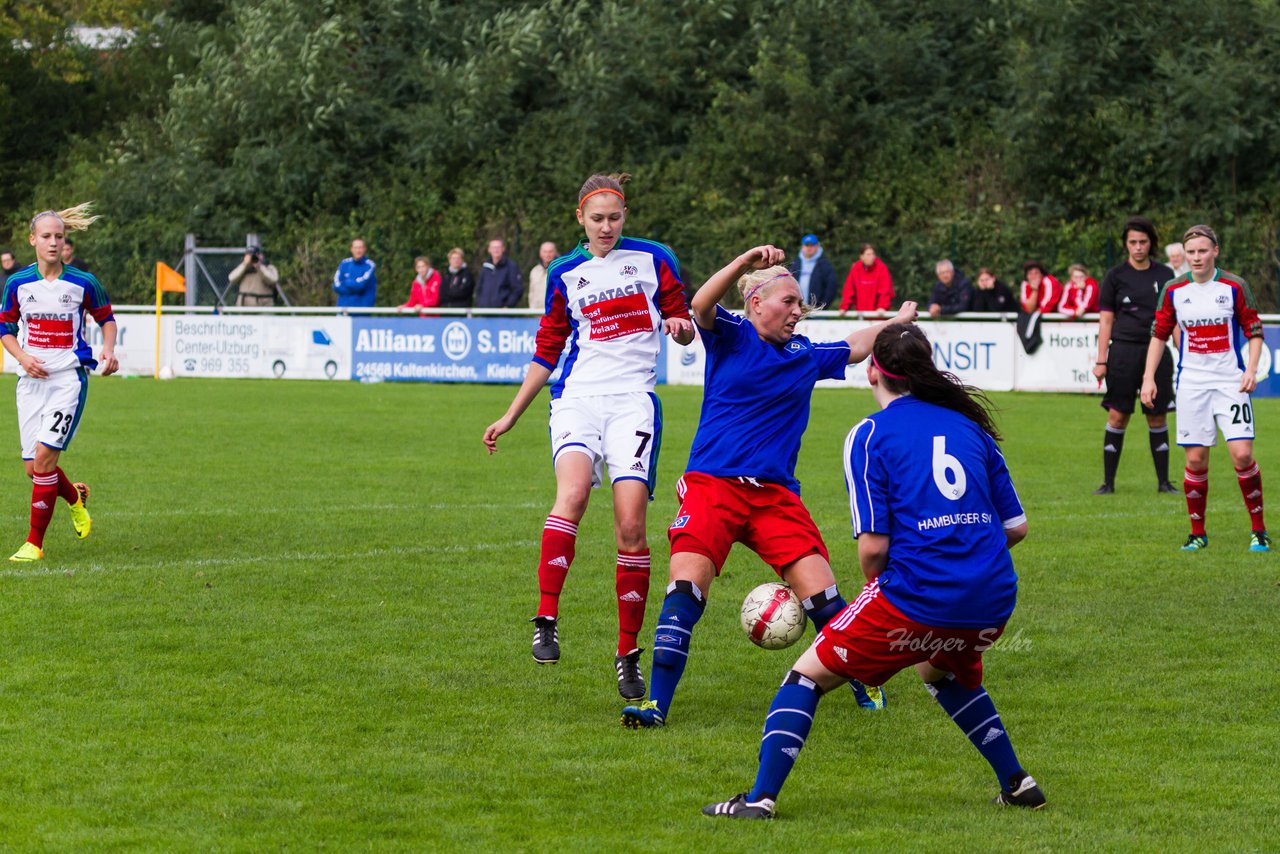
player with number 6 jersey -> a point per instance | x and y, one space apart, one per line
935 514
608 304
1216 312
42 318
740 484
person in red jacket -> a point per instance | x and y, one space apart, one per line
425 290
1080 297
1040 291
868 287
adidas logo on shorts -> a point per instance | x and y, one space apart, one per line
843 653
638 466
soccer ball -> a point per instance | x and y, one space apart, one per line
165 373
772 616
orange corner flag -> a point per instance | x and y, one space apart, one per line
169 280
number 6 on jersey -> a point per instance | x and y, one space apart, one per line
948 474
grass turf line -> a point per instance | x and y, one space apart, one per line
301 622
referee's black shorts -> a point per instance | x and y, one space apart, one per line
1126 362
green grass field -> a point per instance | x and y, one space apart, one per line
300 624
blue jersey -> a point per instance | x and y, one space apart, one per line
937 485
755 402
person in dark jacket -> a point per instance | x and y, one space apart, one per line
952 292
991 295
500 284
8 265
814 273
456 283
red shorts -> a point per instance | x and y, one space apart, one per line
716 512
870 640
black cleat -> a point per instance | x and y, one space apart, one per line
1105 489
546 640
739 807
1168 487
1023 791
630 679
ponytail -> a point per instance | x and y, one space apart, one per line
907 357
77 218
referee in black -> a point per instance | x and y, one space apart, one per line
1127 308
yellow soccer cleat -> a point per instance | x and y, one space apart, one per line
80 512
28 552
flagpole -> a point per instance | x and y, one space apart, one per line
158 292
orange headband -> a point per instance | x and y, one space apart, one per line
583 200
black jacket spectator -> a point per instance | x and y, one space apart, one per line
456 287
823 289
955 297
995 299
500 285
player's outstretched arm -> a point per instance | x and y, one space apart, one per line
873 554
33 366
109 363
534 380
704 301
861 342
1154 351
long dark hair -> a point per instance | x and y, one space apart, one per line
902 349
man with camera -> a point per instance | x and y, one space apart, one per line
256 279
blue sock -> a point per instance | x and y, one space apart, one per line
681 611
821 607
785 731
976 715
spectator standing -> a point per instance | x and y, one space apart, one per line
356 281
500 284
952 292
1040 291
991 294
8 265
425 290
1177 256
547 253
1080 296
69 258
814 273
1127 308
255 279
457 285
868 287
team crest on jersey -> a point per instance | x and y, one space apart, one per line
629 270
795 346
680 522
66 299
1223 300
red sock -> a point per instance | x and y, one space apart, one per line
1196 485
633 593
559 536
44 496
66 489
1251 488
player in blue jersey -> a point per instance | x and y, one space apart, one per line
740 483
610 301
46 305
935 514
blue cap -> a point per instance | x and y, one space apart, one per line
809 240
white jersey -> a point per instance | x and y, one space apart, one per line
1215 317
48 317
609 311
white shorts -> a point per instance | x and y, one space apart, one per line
1201 412
49 410
620 432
